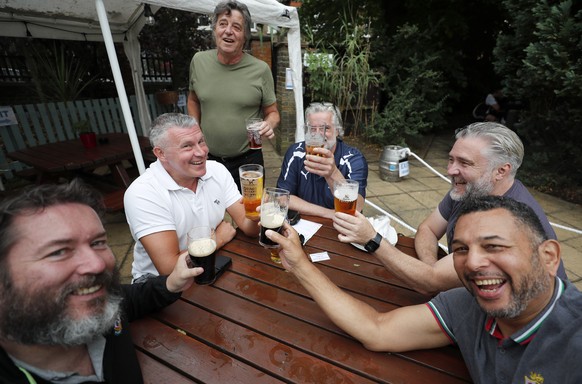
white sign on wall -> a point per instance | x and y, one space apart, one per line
7 116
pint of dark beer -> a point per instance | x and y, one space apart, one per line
254 133
345 196
273 222
202 251
274 207
251 182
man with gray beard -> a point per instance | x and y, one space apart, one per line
483 161
512 319
63 313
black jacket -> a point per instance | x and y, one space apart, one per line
120 363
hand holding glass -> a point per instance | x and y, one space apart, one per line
345 196
202 251
274 207
254 132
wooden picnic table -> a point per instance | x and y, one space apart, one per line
70 155
256 324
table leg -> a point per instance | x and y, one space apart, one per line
120 174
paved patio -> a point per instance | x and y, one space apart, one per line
410 199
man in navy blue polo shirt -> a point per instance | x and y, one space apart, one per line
310 178
514 321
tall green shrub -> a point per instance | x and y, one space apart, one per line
416 92
540 59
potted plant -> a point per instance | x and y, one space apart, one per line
85 133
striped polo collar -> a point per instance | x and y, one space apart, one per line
526 334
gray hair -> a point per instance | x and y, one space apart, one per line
161 125
229 6
336 117
504 144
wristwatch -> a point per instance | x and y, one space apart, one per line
372 245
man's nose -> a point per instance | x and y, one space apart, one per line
90 261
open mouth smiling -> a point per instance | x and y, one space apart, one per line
489 285
87 291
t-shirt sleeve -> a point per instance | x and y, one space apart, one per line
445 307
445 207
146 211
268 85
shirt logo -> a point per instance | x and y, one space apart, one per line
117 327
534 378
217 202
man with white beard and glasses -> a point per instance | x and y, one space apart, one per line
63 313
483 161
513 322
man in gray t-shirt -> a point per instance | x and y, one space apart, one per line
482 162
511 321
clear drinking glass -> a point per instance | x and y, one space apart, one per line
202 251
345 196
274 207
251 183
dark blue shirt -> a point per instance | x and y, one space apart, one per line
313 188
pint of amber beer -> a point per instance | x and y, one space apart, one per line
251 183
345 196
314 138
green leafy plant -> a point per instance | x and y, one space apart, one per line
343 74
82 126
414 90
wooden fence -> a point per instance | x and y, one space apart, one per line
52 122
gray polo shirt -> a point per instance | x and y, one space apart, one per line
549 348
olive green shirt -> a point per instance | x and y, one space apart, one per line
228 95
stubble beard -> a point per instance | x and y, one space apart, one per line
43 318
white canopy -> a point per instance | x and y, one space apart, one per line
121 21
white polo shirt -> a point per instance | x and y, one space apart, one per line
154 202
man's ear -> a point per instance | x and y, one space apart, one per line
503 171
549 252
158 152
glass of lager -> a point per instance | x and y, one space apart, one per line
202 251
254 132
314 137
345 196
274 207
251 183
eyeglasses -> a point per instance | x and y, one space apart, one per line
317 128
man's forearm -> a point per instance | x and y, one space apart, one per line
307 208
426 246
422 277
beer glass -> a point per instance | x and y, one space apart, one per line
345 196
251 183
314 137
254 132
202 251
274 207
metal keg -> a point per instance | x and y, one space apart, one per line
394 163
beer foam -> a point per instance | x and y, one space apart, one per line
346 194
201 247
272 221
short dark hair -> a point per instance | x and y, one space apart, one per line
233 5
39 197
521 212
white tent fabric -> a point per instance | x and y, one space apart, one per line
120 21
